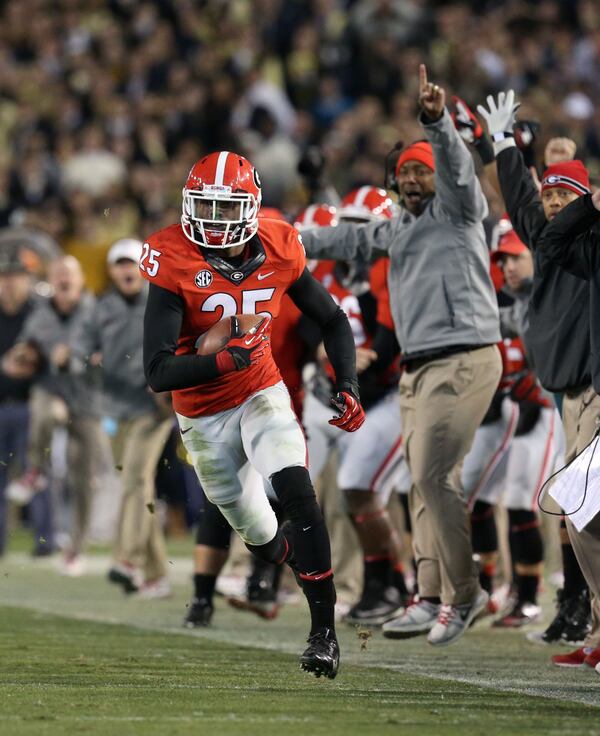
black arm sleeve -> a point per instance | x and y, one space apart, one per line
386 346
569 241
521 196
164 370
313 299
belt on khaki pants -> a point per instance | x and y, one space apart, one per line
413 364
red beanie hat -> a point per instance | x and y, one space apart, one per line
420 151
567 174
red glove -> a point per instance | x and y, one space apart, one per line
243 350
465 121
351 414
526 388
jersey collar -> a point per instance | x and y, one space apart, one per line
231 269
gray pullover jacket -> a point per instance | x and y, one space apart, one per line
441 293
46 328
115 329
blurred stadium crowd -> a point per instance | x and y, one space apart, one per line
104 104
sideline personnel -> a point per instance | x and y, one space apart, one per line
446 319
573 242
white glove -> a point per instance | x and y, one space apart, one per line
500 119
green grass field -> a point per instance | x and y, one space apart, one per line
79 658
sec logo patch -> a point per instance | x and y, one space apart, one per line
203 279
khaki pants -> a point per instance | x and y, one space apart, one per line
580 415
85 438
137 448
442 404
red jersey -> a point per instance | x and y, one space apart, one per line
325 273
378 280
516 374
212 288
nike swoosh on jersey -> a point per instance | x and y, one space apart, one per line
187 429
262 276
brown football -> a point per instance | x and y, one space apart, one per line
218 336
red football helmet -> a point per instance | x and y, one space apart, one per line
221 200
367 204
316 215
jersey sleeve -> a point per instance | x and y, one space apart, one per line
159 265
297 252
379 288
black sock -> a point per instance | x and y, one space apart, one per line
320 595
398 580
574 580
309 542
487 573
204 587
527 587
377 571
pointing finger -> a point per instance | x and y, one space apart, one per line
422 77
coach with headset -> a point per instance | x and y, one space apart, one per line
446 319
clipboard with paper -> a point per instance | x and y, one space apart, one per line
576 489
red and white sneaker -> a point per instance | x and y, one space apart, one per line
73 565
593 658
21 490
575 658
521 614
453 621
155 589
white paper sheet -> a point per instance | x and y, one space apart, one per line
569 487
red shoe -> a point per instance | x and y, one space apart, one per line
573 659
593 658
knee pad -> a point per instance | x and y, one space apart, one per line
483 528
295 491
213 529
527 546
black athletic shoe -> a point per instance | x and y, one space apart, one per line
199 614
578 620
567 608
376 606
127 577
322 656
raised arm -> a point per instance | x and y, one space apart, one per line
520 192
349 241
569 239
458 191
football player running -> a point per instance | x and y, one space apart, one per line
232 406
